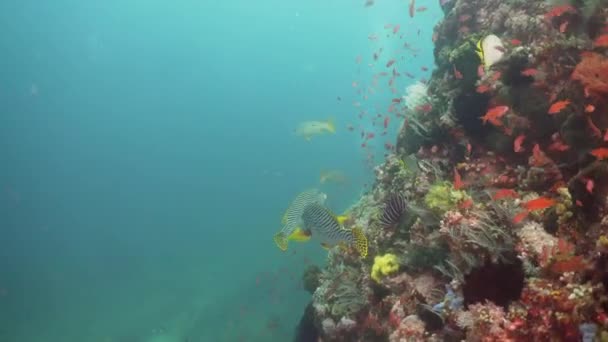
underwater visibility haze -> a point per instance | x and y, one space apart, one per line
369 170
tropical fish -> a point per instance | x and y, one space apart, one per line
494 114
600 153
518 142
504 193
539 203
558 106
293 217
412 7
335 176
394 208
601 41
327 227
529 72
458 184
308 129
490 50
589 108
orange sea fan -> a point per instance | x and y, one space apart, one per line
592 72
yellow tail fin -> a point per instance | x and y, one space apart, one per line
360 241
331 126
281 241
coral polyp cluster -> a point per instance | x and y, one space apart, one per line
500 232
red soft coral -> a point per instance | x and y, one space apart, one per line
592 72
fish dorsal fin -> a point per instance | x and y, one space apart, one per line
341 219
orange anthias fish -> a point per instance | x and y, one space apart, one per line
596 131
520 217
539 204
484 88
558 11
601 41
457 73
558 106
529 72
412 7
538 157
504 193
589 185
600 153
589 108
517 143
458 184
466 204
494 114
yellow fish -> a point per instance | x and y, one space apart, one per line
308 129
336 176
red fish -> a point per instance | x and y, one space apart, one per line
411 8
589 108
423 68
559 145
558 11
457 73
466 204
464 17
484 88
520 217
515 42
389 63
425 108
517 143
396 100
563 27
495 113
505 193
538 157
458 184
558 106
601 41
600 153
539 204
529 72
596 131
386 121
589 184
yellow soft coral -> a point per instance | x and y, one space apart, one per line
384 265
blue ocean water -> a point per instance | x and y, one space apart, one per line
148 153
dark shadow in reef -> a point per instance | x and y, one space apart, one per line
499 283
306 330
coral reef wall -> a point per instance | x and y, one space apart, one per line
499 230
